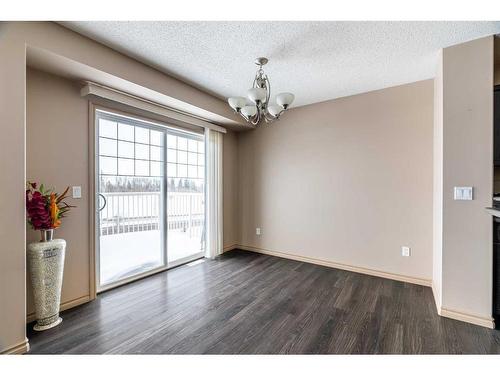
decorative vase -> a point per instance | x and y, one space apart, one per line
46 264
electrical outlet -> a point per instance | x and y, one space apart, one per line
77 191
257 231
405 251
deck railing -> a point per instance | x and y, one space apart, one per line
137 212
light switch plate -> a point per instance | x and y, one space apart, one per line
257 231
462 193
77 191
405 251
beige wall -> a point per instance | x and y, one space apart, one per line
57 116
497 60
437 232
57 154
12 186
347 181
467 127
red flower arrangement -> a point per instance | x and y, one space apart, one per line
45 208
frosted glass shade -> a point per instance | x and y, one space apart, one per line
274 110
249 110
285 99
256 95
237 102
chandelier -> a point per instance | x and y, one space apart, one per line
259 95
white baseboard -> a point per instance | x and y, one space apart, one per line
482 321
64 306
20 348
345 267
229 247
468 318
436 300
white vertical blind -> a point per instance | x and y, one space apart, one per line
213 141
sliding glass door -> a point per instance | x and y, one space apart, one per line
186 196
150 185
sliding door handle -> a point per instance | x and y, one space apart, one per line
105 201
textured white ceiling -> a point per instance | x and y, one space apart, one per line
316 61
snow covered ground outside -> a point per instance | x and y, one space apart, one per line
127 254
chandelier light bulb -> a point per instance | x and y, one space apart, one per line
274 110
237 102
285 99
249 110
257 95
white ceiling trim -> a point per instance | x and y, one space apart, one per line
93 89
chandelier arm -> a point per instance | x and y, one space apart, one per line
268 86
269 118
245 117
258 74
258 117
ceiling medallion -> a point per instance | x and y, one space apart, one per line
259 95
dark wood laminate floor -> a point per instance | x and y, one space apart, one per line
251 303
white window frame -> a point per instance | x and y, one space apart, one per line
94 108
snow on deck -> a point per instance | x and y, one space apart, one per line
127 254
